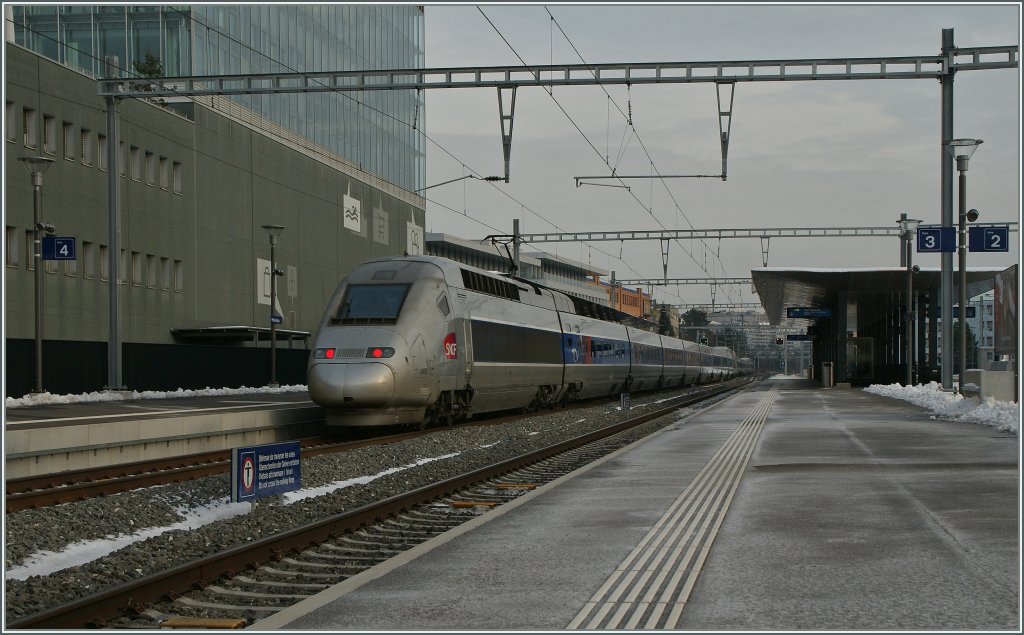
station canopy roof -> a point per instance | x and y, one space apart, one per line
782 287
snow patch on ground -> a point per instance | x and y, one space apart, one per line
39 399
948 406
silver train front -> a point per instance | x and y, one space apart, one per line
370 364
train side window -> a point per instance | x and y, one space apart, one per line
442 305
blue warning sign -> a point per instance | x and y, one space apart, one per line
265 470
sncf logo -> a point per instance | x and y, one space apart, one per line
451 348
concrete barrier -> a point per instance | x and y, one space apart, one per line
997 384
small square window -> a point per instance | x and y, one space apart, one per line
29 127
12 121
179 275
85 146
49 134
11 246
176 174
151 271
165 173
150 168
136 268
165 274
136 157
30 250
69 141
104 263
89 258
101 151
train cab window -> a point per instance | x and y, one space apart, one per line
442 305
372 303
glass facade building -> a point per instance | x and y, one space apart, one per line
378 131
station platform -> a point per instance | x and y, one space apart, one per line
785 507
54 437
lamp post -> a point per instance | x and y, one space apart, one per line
36 166
907 228
273 231
962 150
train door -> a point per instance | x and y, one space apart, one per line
465 335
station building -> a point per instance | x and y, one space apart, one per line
198 178
855 319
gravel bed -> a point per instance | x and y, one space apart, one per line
54 528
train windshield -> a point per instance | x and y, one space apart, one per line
372 303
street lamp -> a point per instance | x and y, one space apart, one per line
962 150
273 231
907 228
36 166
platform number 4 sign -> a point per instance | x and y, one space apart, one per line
58 248
989 238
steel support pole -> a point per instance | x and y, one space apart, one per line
114 378
515 247
37 213
946 196
962 250
273 313
908 331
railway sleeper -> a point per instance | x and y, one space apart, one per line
337 558
244 579
357 548
305 575
325 566
219 590
227 608
424 517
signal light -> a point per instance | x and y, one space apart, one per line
324 353
380 352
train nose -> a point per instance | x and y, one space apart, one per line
351 385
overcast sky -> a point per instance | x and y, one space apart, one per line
802 154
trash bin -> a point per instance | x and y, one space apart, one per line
828 379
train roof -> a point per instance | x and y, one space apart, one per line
453 272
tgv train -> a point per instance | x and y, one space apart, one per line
424 340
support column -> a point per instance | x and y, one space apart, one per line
946 196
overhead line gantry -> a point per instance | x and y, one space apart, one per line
507 79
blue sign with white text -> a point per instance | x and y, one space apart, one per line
265 470
936 239
807 312
989 238
58 248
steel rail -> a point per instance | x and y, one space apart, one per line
95 610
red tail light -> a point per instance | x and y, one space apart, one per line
380 352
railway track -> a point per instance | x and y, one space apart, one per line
252 581
64 487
